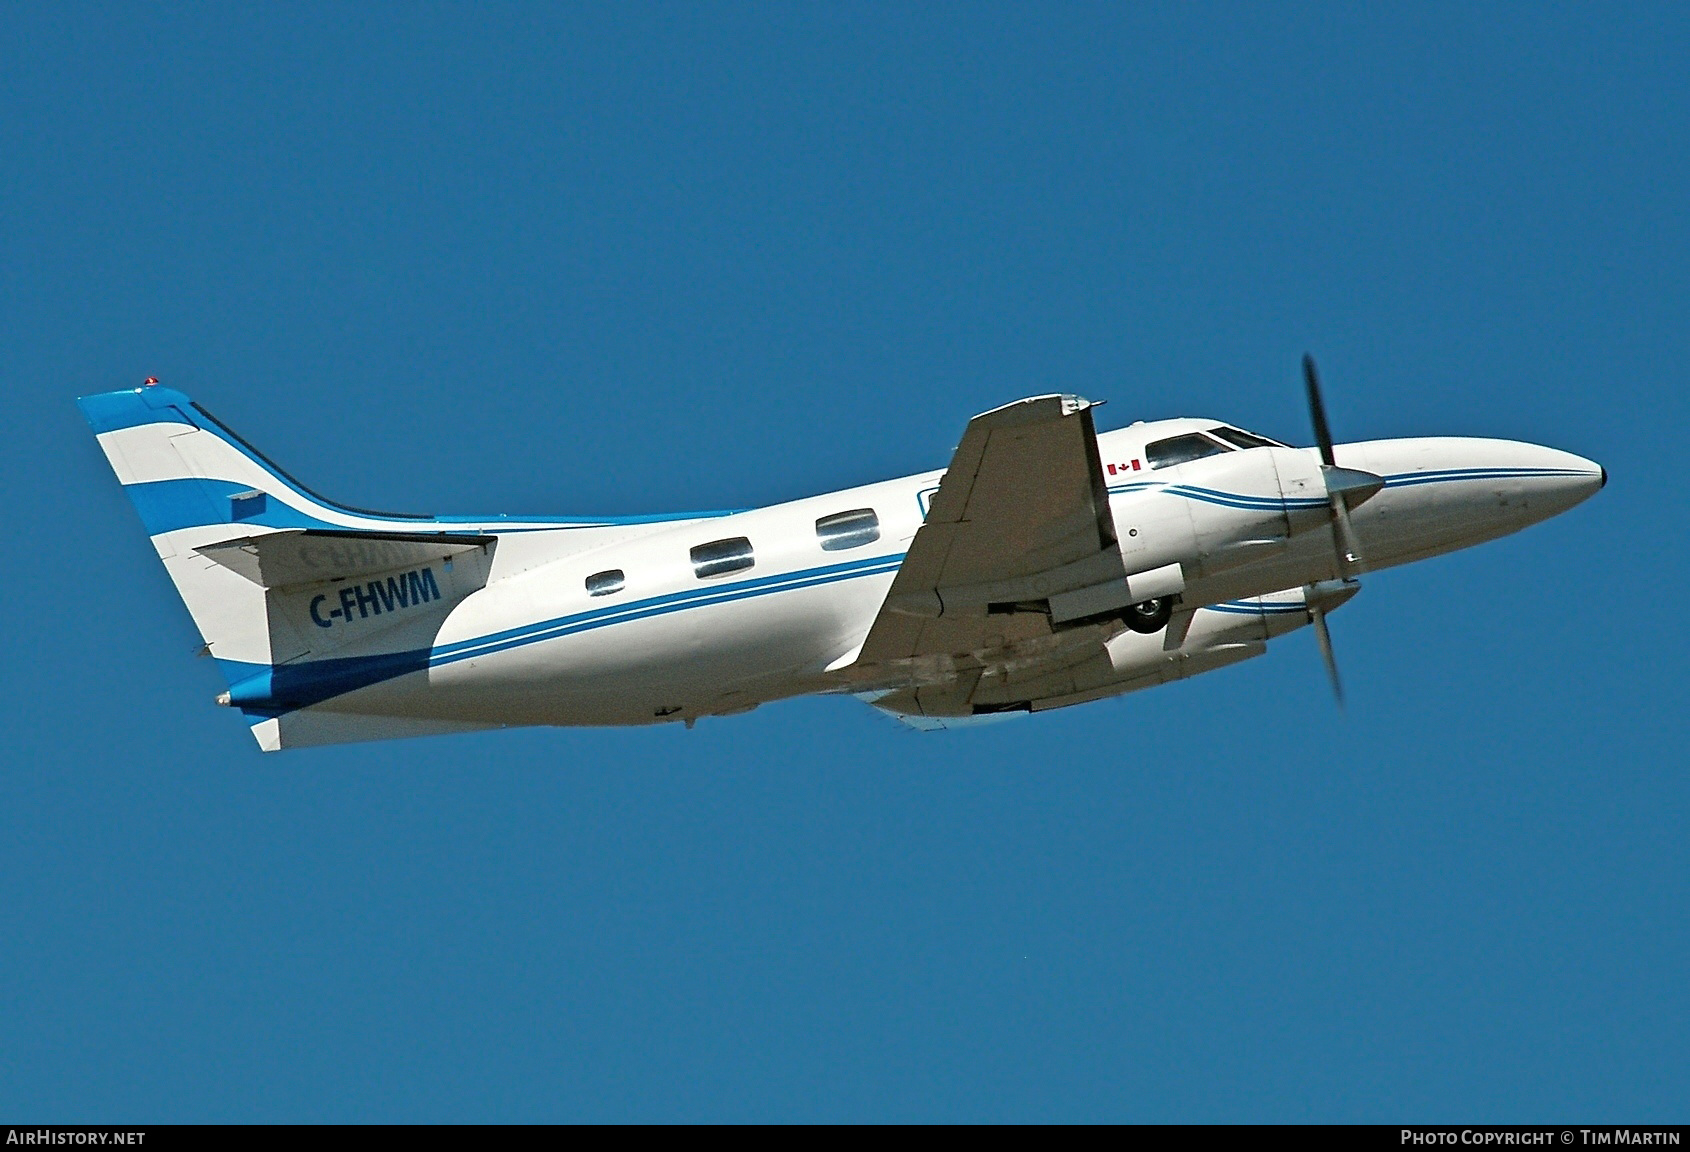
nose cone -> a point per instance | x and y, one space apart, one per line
1588 485
1549 480
1449 492
1580 479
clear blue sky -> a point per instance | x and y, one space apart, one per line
616 259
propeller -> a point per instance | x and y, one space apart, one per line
1345 488
1324 635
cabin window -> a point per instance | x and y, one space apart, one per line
719 557
850 529
606 582
1244 439
1181 449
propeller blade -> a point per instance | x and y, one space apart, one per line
1349 552
1317 411
1345 487
1324 635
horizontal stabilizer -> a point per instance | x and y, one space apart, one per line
315 727
291 558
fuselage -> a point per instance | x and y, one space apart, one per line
535 646
1048 565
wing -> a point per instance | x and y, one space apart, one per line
1019 536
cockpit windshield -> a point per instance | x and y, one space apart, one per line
1182 449
1196 445
1244 439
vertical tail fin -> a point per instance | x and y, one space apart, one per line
195 486
299 600
184 469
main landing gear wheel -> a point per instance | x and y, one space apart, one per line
1150 616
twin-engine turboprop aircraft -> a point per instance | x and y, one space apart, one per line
1049 565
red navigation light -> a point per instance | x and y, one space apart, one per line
150 381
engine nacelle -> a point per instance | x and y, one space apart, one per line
1208 515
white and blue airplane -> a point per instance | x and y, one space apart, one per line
1048 565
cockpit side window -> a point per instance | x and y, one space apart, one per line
1182 449
1244 439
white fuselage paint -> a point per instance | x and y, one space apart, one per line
532 647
